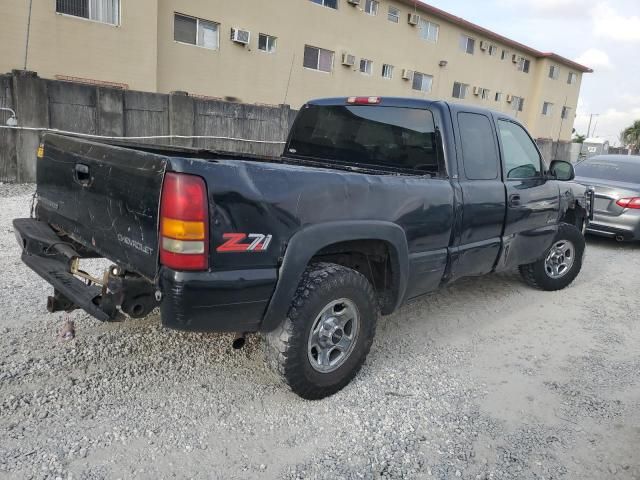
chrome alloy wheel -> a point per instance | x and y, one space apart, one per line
560 259
333 335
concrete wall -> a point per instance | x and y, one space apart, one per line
105 111
8 160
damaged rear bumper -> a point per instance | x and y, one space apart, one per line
216 301
50 257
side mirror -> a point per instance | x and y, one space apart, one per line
562 170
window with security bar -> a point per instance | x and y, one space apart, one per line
104 11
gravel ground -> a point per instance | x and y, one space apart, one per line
485 379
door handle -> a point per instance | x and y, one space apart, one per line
82 175
514 200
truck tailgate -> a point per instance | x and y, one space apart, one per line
104 197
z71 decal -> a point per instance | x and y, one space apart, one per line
257 242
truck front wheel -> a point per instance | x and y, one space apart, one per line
324 340
562 261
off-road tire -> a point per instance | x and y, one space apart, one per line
534 274
286 347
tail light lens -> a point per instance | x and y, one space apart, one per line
184 227
631 202
363 100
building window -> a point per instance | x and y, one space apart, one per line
493 50
505 54
467 44
498 97
565 112
104 11
460 90
267 43
524 65
573 78
394 15
484 93
422 82
371 7
554 72
366 66
547 108
318 59
196 31
429 31
387 70
517 103
327 3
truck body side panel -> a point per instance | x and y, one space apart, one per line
281 199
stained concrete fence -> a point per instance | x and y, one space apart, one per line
107 111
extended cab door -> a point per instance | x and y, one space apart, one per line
532 198
479 237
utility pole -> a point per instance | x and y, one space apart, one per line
26 46
591 118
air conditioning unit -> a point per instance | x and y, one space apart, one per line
348 59
483 45
414 19
407 74
240 36
514 58
477 90
509 98
354 2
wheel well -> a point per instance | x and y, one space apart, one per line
575 216
371 258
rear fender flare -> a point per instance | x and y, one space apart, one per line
310 240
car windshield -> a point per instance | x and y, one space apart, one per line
388 137
623 171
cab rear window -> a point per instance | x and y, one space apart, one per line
374 136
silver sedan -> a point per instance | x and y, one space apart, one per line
616 181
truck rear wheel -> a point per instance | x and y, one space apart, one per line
562 261
324 340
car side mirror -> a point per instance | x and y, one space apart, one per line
561 170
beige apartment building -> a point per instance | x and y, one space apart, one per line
288 51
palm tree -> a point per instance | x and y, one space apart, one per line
631 136
579 138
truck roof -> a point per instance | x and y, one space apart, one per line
410 102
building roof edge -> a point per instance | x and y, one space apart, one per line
436 12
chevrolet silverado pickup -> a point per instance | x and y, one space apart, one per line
374 202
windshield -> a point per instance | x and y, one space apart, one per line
394 137
623 171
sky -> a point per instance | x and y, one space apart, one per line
601 34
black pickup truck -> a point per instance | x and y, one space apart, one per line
375 201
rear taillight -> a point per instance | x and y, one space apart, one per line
184 226
631 202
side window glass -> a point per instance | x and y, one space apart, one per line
479 153
521 158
